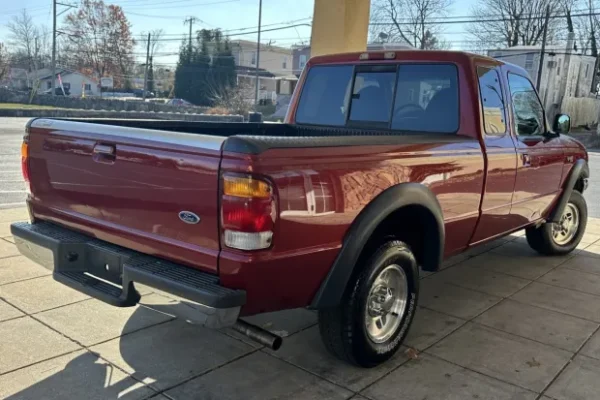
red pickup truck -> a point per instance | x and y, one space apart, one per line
388 162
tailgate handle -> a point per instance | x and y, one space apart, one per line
104 149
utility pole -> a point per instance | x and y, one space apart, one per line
258 56
54 32
190 20
53 47
541 66
146 69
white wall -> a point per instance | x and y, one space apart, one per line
275 61
582 110
76 82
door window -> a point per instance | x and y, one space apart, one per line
528 111
492 104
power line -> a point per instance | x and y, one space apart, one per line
179 6
483 20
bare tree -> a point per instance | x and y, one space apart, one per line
233 100
586 26
508 23
23 38
411 21
4 62
155 41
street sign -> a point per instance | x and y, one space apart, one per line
106 82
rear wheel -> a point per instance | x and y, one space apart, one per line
564 236
371 322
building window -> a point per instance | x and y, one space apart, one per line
529 61
587 67
49 85
253 61
87 87
67 86
284 63
558 66
302 61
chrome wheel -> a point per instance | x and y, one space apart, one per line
386 303
565 230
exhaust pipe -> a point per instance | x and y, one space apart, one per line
258 334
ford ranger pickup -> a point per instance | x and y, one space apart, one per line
387 163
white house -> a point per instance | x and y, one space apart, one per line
74 82
564 73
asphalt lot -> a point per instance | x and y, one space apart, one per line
12 189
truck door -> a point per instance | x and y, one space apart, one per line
501 157
540 157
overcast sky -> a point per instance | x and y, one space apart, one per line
168 15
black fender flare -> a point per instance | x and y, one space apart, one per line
390 200
580 169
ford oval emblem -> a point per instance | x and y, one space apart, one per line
189 217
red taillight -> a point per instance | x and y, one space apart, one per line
247 212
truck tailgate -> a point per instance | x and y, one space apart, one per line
149 190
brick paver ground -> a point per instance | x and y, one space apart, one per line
499 322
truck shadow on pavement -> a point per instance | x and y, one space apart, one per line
151 355
84 374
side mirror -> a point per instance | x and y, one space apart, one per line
562 124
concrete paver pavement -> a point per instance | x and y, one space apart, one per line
498 323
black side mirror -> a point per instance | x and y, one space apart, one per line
562 124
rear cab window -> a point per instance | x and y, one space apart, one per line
405 97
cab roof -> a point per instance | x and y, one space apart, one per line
404 55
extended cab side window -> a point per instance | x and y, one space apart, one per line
492 103
528 111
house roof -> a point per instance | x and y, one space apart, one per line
65 72
61 72
240 69
263 47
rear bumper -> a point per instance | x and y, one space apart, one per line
110 273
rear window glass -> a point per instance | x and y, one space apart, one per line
426 98
413 97
372 96
324 96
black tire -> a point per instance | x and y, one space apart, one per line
343 329
541 239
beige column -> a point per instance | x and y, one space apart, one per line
340 26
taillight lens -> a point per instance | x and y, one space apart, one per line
25 161
247 212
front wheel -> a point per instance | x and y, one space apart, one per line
564 236
371 322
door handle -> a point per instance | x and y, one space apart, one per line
104 149
526 160
105 153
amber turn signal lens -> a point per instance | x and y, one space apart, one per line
245 186
24 150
